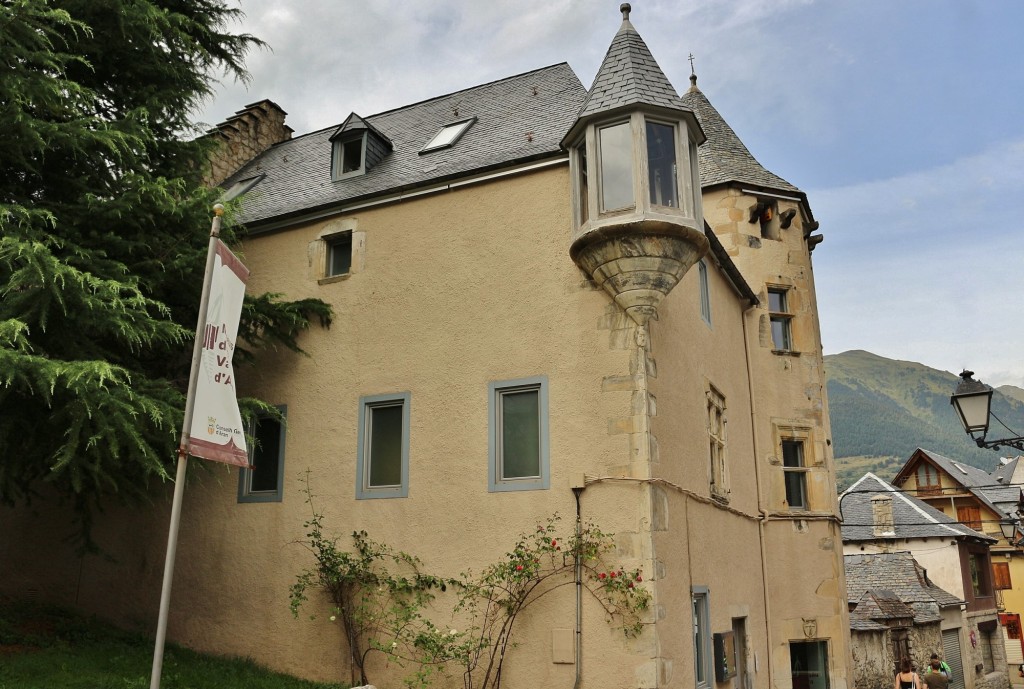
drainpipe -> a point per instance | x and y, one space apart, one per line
760 499
578 567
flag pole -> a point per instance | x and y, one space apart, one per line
179 479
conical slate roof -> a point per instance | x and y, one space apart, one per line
723 158
628 76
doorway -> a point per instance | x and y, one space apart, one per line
808 662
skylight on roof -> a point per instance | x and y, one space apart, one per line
449 134
961 467
240 187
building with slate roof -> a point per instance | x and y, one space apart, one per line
547 298
987 502
896 611
881 525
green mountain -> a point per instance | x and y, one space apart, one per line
882 410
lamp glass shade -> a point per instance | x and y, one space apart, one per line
1008 529
973 408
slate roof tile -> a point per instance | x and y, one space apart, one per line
519 119
912 518
723 157
902 575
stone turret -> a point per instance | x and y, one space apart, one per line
638 218
245 135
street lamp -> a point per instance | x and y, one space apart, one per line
1008 527
973 403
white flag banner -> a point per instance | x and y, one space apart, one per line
215 431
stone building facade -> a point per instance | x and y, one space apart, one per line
613 259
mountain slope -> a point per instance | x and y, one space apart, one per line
882 410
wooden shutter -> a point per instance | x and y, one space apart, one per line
1001 575
969 516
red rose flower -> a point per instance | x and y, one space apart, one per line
519 568
639 578
602 575
612 574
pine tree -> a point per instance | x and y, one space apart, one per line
104 225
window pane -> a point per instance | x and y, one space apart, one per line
661 165
339 255
705 295
385 445
780 333
792 453
520 434
777 301
266 455
616 167
795 489
699 643
351 155
584 190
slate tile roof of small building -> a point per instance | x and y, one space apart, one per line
880 604
629 75
723 158
912 518
519 119
901 574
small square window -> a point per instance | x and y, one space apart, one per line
795 473
518 442
263 482
339 255
781 319
382 470
449 134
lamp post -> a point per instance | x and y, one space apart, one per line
973 403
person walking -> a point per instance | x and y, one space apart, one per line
906 678
935 677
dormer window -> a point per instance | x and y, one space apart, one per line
448 135
356 146
349 154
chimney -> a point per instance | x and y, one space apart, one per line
881 513
245 135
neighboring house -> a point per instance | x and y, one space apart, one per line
895 612
980 500
540 292
880 519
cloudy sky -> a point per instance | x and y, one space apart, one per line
903 121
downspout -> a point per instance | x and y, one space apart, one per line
760 499
578 567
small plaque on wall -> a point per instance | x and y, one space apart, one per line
725 656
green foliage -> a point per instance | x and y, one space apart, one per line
885 409
104 225
51 648
379 594
383 599
539 563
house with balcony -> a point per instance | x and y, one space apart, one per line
549 300
990 502
878 518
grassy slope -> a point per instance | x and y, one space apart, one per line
882 410
46 648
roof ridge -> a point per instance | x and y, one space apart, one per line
472 88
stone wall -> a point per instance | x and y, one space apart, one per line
245 135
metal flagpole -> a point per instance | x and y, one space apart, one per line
179 479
